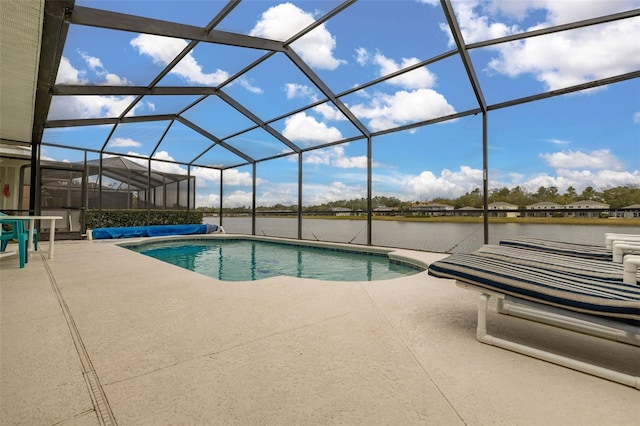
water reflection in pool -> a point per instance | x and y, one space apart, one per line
246 260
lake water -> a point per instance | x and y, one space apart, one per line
436 237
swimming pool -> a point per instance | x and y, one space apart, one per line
236 259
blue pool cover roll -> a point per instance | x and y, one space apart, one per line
152 231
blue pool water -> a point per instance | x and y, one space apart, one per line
246 260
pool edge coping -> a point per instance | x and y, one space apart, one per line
398 255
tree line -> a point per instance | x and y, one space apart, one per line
617 197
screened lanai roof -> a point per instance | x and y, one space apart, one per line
192 83
221 85
120 169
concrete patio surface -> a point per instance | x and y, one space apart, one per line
103 335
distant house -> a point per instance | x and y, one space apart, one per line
430 206
433 208
502 209
587 208
544 205
469 211
385 211
341 211
631 212
543 209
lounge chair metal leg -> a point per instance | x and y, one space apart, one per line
481 331
569 323
605 373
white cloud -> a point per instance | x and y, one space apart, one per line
427 185
315 194
334 156
306 129
516 177
561 12
580 179
110 79
161 49
450 184
636 117
599 159
419 78
235 177
68 74
232 177
599 169
93 62
295 90
329 112
385 111
45 157
359 162
317 157
124 142
362 56
91 106
164 49
269 194
417 102
238 199
285 20
209 200
205 176
65 107
453 184
558 141
166 167
475 25
244 82
612 178
430 2
561 59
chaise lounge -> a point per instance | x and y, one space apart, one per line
558 262
601 306
583 251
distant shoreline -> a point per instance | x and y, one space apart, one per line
493 220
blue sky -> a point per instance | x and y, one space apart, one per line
591 138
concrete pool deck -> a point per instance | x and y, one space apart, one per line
103 335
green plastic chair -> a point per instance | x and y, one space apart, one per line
14 232
3 245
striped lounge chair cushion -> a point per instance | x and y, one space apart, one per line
585 251
557 262
590 295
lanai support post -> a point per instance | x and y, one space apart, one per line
369 189
34 193
85 194
253 202
221 204
151 194
100 190
300 195
189 207
485 177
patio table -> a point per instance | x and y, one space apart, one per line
32 220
